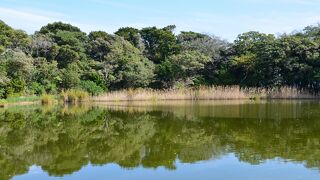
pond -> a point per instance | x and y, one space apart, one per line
177 140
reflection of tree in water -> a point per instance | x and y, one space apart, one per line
63 140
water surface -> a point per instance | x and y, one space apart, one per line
179 140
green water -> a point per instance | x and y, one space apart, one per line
185 140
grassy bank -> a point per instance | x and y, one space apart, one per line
19 100
69 96
206 93
203 93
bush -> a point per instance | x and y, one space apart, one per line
91 87
2 102
2 93
37 88
75 96
48 99
51 88
18 85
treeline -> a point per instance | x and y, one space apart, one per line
60 56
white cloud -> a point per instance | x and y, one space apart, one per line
27 20
32 20
229 26
226 26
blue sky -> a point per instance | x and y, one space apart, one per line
224 18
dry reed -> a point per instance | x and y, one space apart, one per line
205 93
48 99
75 96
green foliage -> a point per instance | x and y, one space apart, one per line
2 93
18 64
160 43
125 67
17 99
96 77
12 39
37 88
66 56
132 35
53 28
42 45
70 77
61 57
91 87
182 67
75 40
48 99
208 45
47 75
18 85
2 49
99 45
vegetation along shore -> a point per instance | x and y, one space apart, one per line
61 63
205 93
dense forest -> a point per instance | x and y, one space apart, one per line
60 56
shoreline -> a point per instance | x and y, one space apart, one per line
206 93
222 99
24 103
215 93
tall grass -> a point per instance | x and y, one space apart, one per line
75 96
2 102
48 99
206 93
22 99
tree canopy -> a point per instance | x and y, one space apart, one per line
60 56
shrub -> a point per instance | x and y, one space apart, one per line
37 88
75 96
91 87
2 102
2 92
48 99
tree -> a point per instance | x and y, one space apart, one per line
17 68
99 43
53 28
312 32
42 45
6 32
133 36
249 42
160 43
67 38
70 76
258 57
216 70
4 80
66 56
61 56
47 75
12 39
75 40
93 72
125 67
122 64
19 65
301 64
208 45
183 67
91 87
